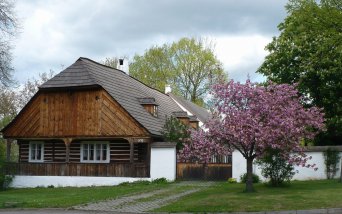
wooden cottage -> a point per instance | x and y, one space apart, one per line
93 120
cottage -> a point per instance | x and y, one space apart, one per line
91 121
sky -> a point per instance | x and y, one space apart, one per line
55 33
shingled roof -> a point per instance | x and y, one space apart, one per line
126 90
201 113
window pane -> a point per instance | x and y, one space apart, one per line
104 151
39 151
85 151
98 151
91 151
33 151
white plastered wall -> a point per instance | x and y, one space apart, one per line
67 181
302 173
163 163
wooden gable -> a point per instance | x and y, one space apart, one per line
91 113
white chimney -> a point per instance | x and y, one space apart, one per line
167 89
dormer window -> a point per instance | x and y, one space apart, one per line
194 122
150 105
181 116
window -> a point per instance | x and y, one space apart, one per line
95 152
155 111
36 151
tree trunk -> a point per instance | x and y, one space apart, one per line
249 182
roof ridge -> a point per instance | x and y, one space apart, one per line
100 64
86 68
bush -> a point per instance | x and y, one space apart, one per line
160 181
243 178
275 168
232 180
5 181
331 160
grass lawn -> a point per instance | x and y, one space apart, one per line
225 197
69 196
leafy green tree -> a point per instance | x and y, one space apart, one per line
188 65
308 51
153 68
175 131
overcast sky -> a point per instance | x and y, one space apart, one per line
56 33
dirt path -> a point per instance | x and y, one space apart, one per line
140 203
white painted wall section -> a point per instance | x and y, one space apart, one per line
68 181
302 173
163 163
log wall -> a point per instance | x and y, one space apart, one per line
55 151
80 169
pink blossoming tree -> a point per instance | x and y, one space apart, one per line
251 119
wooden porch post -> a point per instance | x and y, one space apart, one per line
67 142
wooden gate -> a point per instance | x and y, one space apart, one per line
219 168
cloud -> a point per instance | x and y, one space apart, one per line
56 33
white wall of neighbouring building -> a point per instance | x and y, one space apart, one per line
302 173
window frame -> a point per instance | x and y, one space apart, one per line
31 143
94 155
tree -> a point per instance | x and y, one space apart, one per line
113 61
8 28
189 65
252 118
201 148
308 52
175 131
153 68
31 87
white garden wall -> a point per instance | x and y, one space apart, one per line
163 165
163 161
303 173
68 181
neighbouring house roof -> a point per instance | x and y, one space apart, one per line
126 90
201 113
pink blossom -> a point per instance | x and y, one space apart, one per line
252 118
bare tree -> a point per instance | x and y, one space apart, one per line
8 29
31 87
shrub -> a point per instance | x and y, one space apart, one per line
243 178
232 180
6 176
160 181
331 160
275 167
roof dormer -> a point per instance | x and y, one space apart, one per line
150 105
194 122
182 116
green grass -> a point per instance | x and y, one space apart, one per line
225 197
70 196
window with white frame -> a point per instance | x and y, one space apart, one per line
95 152
36 151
